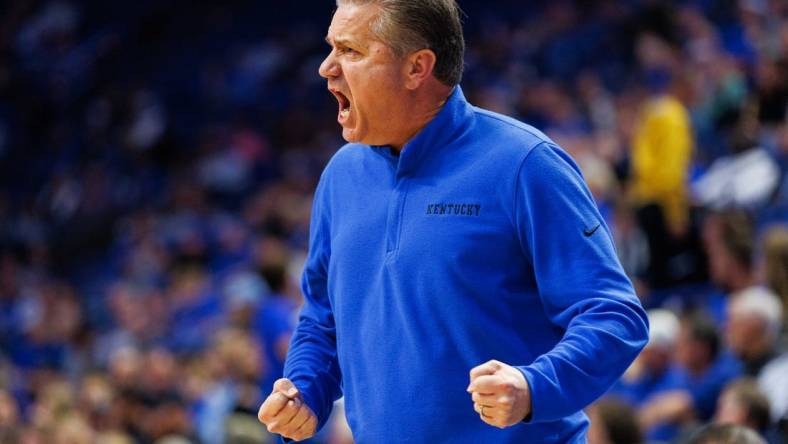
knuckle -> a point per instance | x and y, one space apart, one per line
304 434
264 416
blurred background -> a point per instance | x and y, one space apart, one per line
157 163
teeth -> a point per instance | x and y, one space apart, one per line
345 113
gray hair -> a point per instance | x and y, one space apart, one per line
725 434
411 25
761 303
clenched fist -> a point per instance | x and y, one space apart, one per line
285 412
500 394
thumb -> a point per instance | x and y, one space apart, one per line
286 387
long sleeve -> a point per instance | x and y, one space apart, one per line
312 362
581 283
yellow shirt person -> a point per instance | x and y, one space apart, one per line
661 153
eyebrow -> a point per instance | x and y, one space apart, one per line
339 41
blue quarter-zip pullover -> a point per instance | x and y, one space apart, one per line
479 241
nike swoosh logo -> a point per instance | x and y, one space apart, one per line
588 233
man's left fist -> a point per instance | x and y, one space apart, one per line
500 394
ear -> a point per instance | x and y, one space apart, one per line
419 67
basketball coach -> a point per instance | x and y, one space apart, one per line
460 286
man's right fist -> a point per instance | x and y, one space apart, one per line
285 412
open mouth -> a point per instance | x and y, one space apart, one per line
344 106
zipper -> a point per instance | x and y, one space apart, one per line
394 217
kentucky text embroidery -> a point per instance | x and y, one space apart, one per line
454 209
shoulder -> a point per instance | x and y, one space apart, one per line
347 155
521 146
509 132
666 107
346 160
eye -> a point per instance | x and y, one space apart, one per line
346 50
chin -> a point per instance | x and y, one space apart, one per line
350 136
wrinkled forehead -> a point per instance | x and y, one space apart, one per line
353 22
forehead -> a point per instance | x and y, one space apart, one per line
353 22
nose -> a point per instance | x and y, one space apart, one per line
329 68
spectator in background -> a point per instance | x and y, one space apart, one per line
754 323
725 434
745 179
613 422
660 159
742 403
231 388
194 308
276 316
728 239
244 291
775 264
653 374
707 369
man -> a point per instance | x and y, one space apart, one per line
447 240
743 403
752 332
703 370
613 421
653 376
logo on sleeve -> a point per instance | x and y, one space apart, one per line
588 233
454 209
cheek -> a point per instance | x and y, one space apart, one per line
734 335
725 414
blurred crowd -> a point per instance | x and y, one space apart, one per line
157 163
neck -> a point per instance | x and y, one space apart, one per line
428 107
